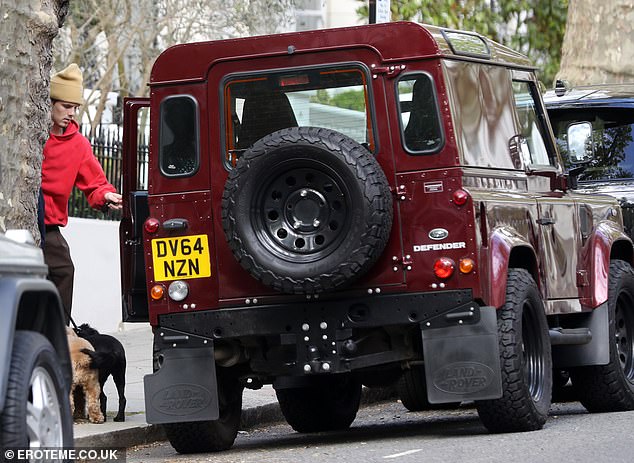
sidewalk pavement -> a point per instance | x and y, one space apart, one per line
258 407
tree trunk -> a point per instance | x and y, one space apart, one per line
599 42
26 33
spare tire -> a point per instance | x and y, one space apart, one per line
307 210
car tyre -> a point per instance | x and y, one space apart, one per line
610 388
37 407
328 405
216 435
307 210
525 359
412 389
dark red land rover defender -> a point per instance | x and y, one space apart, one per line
364 206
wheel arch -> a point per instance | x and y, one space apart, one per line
606 243
31 304
508 250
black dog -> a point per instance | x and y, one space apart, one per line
109 359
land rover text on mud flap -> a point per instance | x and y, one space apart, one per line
363 206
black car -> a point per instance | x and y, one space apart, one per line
594 126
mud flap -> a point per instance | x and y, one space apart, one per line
184 389
462 361
597 351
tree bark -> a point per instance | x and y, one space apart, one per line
598 43
26 33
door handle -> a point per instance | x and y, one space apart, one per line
175 224
546 221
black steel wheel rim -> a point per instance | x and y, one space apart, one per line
532 352
302 211
624 333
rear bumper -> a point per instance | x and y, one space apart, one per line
289 343
307 318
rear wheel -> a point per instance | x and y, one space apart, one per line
525 358
610 388
216 435
327 405
412 390
37 408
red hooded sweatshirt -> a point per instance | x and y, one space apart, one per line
68 161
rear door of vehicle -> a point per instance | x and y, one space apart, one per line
135 209
312 106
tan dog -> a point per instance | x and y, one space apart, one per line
84 378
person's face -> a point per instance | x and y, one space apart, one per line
62 113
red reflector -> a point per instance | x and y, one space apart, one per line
444 267
151 225
460 197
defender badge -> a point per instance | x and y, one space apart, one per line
438 234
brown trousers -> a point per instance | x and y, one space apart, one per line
61 270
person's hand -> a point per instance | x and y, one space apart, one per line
113 200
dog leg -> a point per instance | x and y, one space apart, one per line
94 410
79 400
119 381
102 403
72 400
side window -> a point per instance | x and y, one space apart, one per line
334 98
178 136
531 129
420 123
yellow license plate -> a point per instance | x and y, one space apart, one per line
181 258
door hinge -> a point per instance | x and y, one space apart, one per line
400 192
390 71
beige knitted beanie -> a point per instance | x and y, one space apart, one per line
66 85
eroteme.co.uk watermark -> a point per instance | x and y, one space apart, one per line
55 454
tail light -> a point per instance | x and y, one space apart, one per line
151 225
460 197
157 292
466 265
444 267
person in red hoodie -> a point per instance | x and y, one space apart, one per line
68 161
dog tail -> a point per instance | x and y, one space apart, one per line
97 359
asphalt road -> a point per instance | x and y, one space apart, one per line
386 432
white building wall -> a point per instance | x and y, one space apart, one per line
341 13
319 14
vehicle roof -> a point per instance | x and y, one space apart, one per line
393 41
593 96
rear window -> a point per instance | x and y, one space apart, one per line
612 137
335 98
178 135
